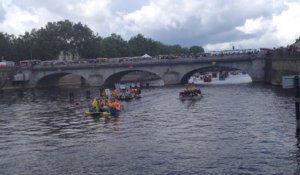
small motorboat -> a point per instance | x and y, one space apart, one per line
191 93
188 95
128 91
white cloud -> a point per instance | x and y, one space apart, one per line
19 20
253 26
211 23
280 30
287 24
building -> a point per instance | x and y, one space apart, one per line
68 56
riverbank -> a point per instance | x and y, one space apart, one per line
281 65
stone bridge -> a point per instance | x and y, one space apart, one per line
173 71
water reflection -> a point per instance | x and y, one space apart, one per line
231 130
190 103
297 172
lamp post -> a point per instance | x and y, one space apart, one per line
30 48
30 51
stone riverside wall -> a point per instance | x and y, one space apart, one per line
281 65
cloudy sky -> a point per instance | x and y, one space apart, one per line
213 24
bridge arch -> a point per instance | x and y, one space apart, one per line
116 77
169 71
187 75
53 79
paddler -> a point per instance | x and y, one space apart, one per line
103 106
114 103
95 104
104 95
114 106
115 93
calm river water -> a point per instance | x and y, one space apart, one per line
233 129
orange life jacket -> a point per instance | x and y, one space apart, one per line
116 104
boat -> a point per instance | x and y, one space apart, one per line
207 78
128 91
100 114
113 112
125 98
103 108
137 96
191 93
194 97
216 78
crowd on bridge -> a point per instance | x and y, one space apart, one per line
124 60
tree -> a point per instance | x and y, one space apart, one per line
92 48
196 50
114 46
5 45
83 40
175 49
47 42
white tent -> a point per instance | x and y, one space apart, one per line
146 56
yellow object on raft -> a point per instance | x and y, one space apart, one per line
103 114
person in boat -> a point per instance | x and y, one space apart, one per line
134 92
198 91
129 92
123 94
190 90
189 86
115 93
114 103
95 105
114 106
139 91
103 106
104 95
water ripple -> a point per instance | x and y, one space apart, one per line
242 129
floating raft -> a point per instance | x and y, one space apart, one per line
101 114
196 97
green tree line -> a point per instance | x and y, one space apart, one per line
47 42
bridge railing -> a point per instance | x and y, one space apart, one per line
150 61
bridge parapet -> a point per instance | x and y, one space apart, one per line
229 58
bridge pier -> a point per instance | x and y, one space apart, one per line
171 78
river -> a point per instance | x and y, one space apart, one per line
233 129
